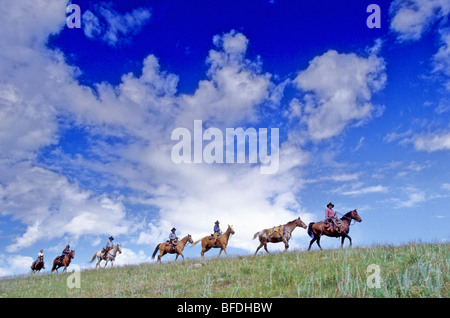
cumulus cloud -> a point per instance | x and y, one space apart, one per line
432 142
140 113
51 207
338 90
235 86
111 26
411 18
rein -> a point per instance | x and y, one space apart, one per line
347 217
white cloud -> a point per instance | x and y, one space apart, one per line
411 18
142 111
366 190
341 87
432 142
113 27
413 198
234 90
12 264
441 62
50 207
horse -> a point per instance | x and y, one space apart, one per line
37 266
110 256
65 262
164 249
282 235
316 230
221 242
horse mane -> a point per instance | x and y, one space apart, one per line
348 215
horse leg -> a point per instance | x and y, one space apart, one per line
344 235
180 253
205 249
260 245
286 244
223 249
265 247
311 243
318 242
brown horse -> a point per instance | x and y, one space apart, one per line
65 262
164 249
316 230
279 234
37 266
209 242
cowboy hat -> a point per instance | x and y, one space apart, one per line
173 229
332 205
111 238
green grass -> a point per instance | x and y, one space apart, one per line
412 270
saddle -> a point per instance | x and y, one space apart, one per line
332 226
276 231
211 238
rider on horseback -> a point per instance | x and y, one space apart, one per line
40 259
217 231
330 217
173 239
109 245
65 252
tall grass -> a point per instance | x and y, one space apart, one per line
412 270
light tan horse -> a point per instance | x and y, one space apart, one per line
164 249
209 242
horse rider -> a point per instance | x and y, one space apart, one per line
217 231
40 258
173 239
330 217
65 252
109 246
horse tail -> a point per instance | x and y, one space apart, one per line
196 242
310 231
256 235
93 257
156 250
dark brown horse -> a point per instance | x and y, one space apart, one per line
57 263
37 266
279 234
316 230
164 249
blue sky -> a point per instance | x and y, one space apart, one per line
87 115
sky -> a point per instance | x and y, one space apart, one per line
87 117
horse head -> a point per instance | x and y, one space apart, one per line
189 239
230 229
72 254
299 222
119 248
354 215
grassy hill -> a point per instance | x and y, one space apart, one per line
412 270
